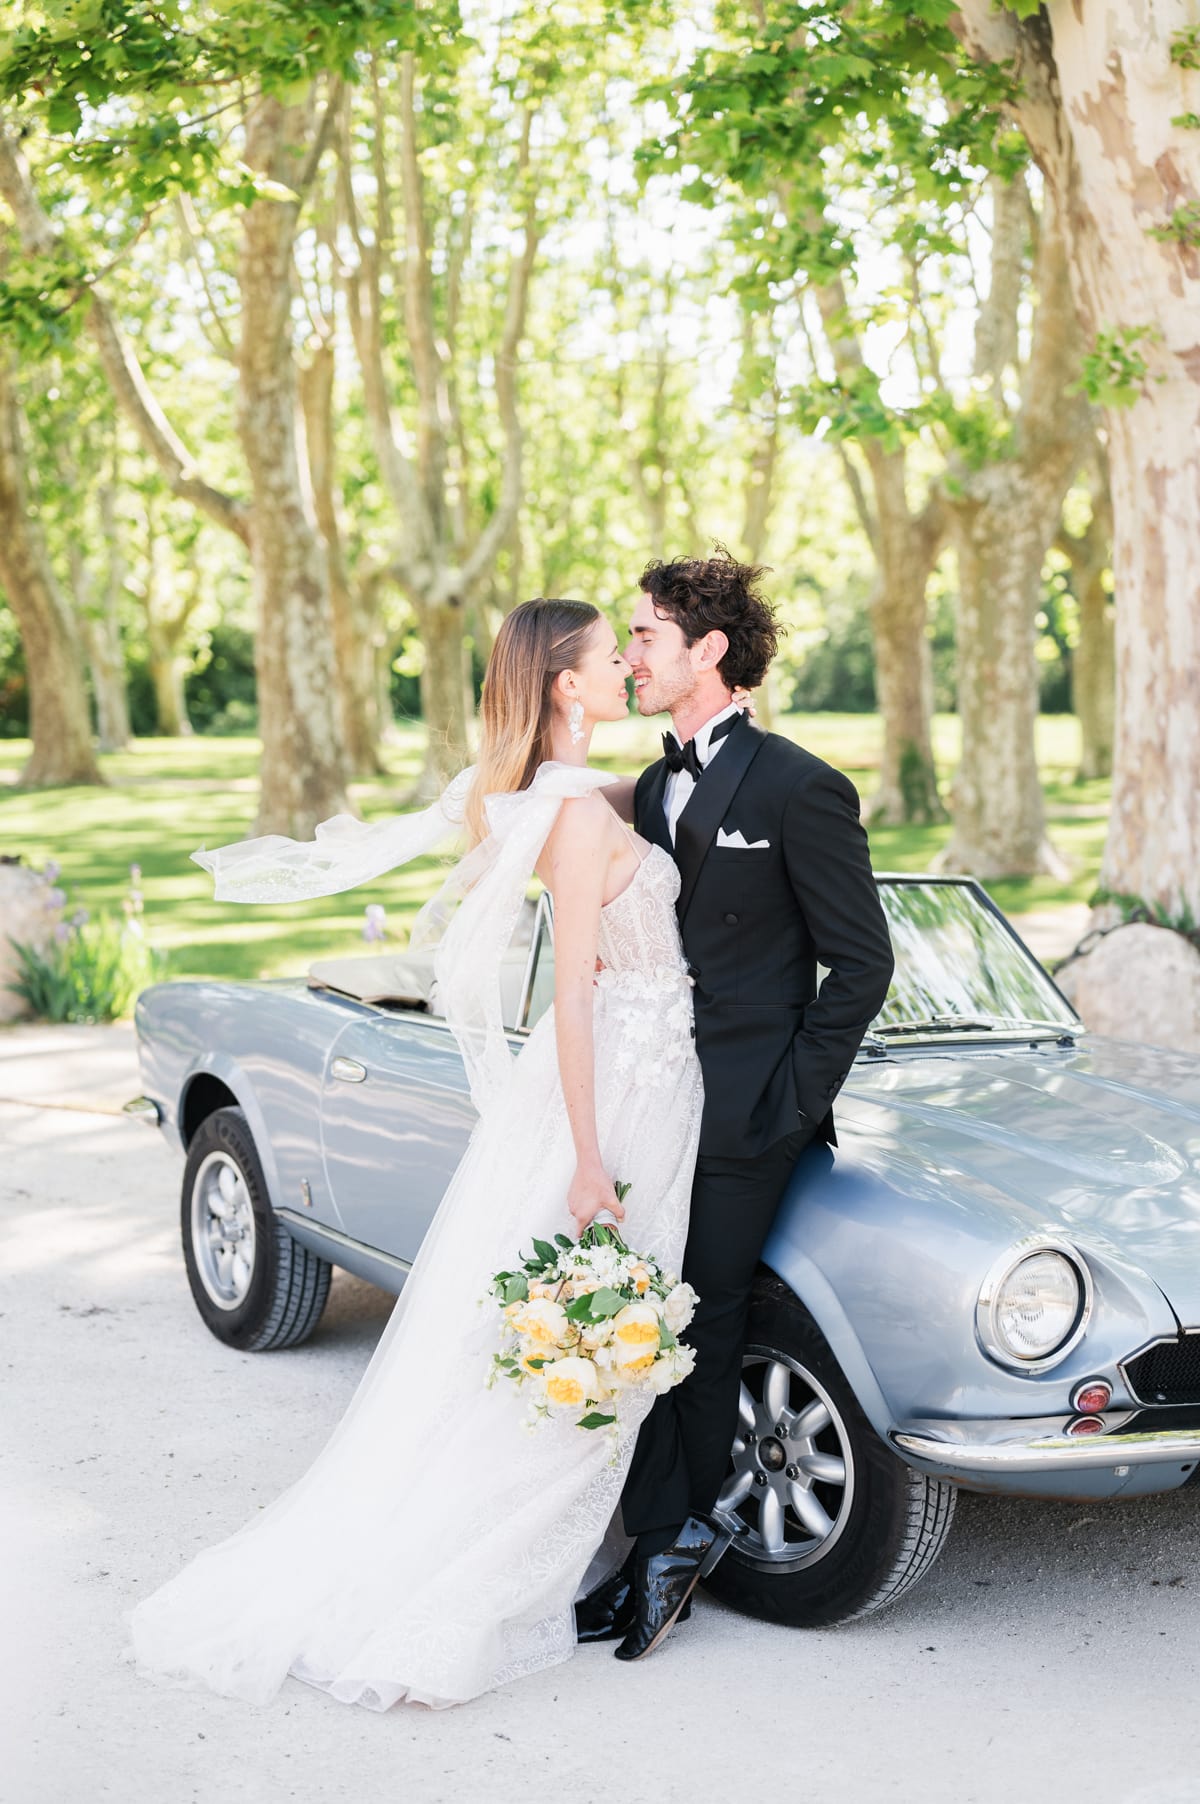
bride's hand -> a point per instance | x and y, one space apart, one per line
742 698
591 1192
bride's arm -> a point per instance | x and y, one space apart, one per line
576 863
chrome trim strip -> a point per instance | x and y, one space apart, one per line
543 912
336 1238
143 1108
1054 1452
1160 1340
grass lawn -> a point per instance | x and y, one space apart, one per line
169 796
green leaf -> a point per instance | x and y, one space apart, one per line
516 1290
605 1302
545 1252
564 1240
666 1338
595 1420
64 116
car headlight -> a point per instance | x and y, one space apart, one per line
1034 1305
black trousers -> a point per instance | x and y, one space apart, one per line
682 1451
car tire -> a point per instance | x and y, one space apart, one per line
255 1287
887 1523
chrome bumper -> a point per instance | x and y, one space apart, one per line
1053 1453
142 1108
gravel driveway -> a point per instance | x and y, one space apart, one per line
1054 1649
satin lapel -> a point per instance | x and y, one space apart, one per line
708 803
652 820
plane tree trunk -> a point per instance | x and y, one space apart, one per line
59 717
303 765
1099 100
1005 511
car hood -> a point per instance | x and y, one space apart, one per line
1100 1140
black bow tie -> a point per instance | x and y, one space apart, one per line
686 757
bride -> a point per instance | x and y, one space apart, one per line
434 1548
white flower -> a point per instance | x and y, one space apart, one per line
571 1382
679 1306
635 1338
542 1321
670 1369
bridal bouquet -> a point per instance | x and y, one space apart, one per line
583 1321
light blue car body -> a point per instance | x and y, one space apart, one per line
959 1148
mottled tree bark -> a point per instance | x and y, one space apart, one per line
99 623
906 542
1005 514
303 762
59 719
1093 661
352 626
440 567
906 548
1000 535
1097 100
167 620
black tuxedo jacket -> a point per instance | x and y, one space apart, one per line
756 924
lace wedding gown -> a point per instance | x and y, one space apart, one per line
435 1547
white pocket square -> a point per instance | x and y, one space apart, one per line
737 842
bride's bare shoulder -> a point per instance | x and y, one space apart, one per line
584 824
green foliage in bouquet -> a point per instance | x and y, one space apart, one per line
587 1320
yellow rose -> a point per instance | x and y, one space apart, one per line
571 1382
639 1277
635 1338
542 1321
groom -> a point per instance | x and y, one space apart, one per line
775 879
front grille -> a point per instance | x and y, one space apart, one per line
1168 1372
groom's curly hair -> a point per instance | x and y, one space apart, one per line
703 595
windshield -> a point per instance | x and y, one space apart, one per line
954 958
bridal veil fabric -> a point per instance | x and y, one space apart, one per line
433 1549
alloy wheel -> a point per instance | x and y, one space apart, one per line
223 1230
792 1483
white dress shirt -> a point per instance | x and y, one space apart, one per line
680 783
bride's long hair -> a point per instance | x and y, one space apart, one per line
536 642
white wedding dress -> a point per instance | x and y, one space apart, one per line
434 1548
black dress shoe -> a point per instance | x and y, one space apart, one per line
663 1586
606 1614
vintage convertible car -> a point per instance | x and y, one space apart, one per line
993 1282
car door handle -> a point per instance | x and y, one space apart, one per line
348 1070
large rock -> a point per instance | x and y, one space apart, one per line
1138 983
24 916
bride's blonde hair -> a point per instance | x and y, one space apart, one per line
536 642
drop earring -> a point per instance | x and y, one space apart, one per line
575 722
